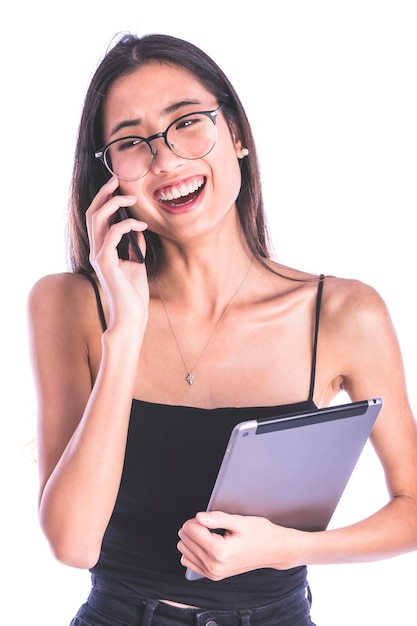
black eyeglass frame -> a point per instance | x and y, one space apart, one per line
101 154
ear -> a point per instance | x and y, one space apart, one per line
241 152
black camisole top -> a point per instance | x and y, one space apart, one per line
172 457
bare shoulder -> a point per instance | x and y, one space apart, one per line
343 297
352 304
351 310
359 336
53 287
359 345
65 289
66 300
64 336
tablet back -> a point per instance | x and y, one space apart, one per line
293 469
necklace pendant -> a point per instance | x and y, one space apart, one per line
190 378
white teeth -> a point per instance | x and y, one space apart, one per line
181 190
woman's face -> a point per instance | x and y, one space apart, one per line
144 103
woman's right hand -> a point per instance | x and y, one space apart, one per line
124 282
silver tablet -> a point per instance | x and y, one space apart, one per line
292 469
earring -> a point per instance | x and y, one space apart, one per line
245 152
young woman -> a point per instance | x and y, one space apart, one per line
142 369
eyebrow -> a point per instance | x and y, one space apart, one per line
172 108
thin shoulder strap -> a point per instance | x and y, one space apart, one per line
98 300
316 337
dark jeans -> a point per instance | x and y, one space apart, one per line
105 608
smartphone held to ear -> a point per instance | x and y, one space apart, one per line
131 238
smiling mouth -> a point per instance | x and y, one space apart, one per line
181 194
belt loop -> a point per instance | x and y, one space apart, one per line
150 606
309 596
244 617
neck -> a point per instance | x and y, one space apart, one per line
198 277
203 269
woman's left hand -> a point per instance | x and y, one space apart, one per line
247 543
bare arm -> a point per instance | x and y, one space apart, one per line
83 422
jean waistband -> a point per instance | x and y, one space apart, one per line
108 599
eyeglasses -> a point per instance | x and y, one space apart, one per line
191 136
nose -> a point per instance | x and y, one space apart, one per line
164 159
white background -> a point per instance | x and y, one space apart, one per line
330 89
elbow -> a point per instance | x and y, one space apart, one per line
74 536
70 548
74 556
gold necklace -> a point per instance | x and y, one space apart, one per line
190 378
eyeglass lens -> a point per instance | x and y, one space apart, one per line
190 137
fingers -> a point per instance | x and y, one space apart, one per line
103 207
107 202
203 550
134 249
104 232
193 554
216 520
246 543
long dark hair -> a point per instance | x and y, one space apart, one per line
128 54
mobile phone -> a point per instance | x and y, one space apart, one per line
123 215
